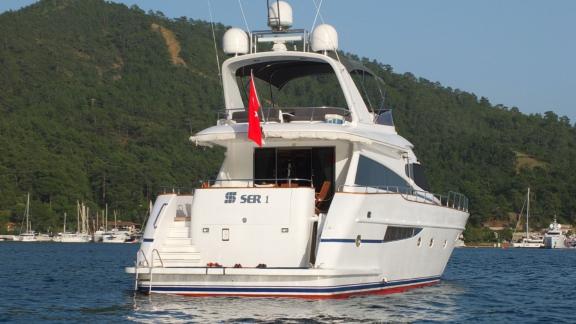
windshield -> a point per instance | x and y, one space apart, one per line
371 88
293 84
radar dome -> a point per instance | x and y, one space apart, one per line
235 42
324 38
280 15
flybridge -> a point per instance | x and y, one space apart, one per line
323 38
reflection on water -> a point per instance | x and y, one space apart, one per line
435 303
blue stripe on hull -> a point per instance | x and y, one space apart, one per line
287 290
328 240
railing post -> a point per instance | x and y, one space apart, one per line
136 275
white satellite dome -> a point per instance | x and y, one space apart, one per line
324 38
235 42
280 15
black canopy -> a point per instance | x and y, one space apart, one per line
278 73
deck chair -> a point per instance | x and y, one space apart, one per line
322 195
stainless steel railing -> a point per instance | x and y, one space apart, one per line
452 200
285 114
256 183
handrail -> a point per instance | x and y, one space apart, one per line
254 183
159 258
144 255
286 114
171 189
150 269
158 215
136 274
453 200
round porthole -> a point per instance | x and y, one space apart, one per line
419 242
431 242
358 240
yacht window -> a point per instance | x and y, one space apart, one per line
384 117
308 166
417 173
394 233
373 174
297 90
265 165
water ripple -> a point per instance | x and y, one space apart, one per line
86 282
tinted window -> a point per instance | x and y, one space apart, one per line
394 233
417 173
373 174
385 118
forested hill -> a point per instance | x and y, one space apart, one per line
97 101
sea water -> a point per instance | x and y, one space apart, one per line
53 282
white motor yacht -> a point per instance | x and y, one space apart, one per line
116 236
554 237
333 203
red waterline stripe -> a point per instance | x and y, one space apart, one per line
383 291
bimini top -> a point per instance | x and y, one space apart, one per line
278 73
279 68
305 89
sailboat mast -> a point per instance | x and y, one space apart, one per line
106 219
28 225
77 216
527 210
64 229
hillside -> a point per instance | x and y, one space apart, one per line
97 101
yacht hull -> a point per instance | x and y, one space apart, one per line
300 283
351 256
555 242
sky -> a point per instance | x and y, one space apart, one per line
518 53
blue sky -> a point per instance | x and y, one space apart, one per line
514 52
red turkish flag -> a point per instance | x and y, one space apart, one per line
254 130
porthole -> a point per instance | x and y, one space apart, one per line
431 242
358 240
419 241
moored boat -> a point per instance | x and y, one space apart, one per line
28 235
81 235
555 238
319 199
528 241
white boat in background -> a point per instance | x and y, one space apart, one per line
533 242
332 204
99 235
44 238
529 241
81 235
554 237
29 235
116 236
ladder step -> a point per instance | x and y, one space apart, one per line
178 249
178 241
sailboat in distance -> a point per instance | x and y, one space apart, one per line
528 241
81 235
28 235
